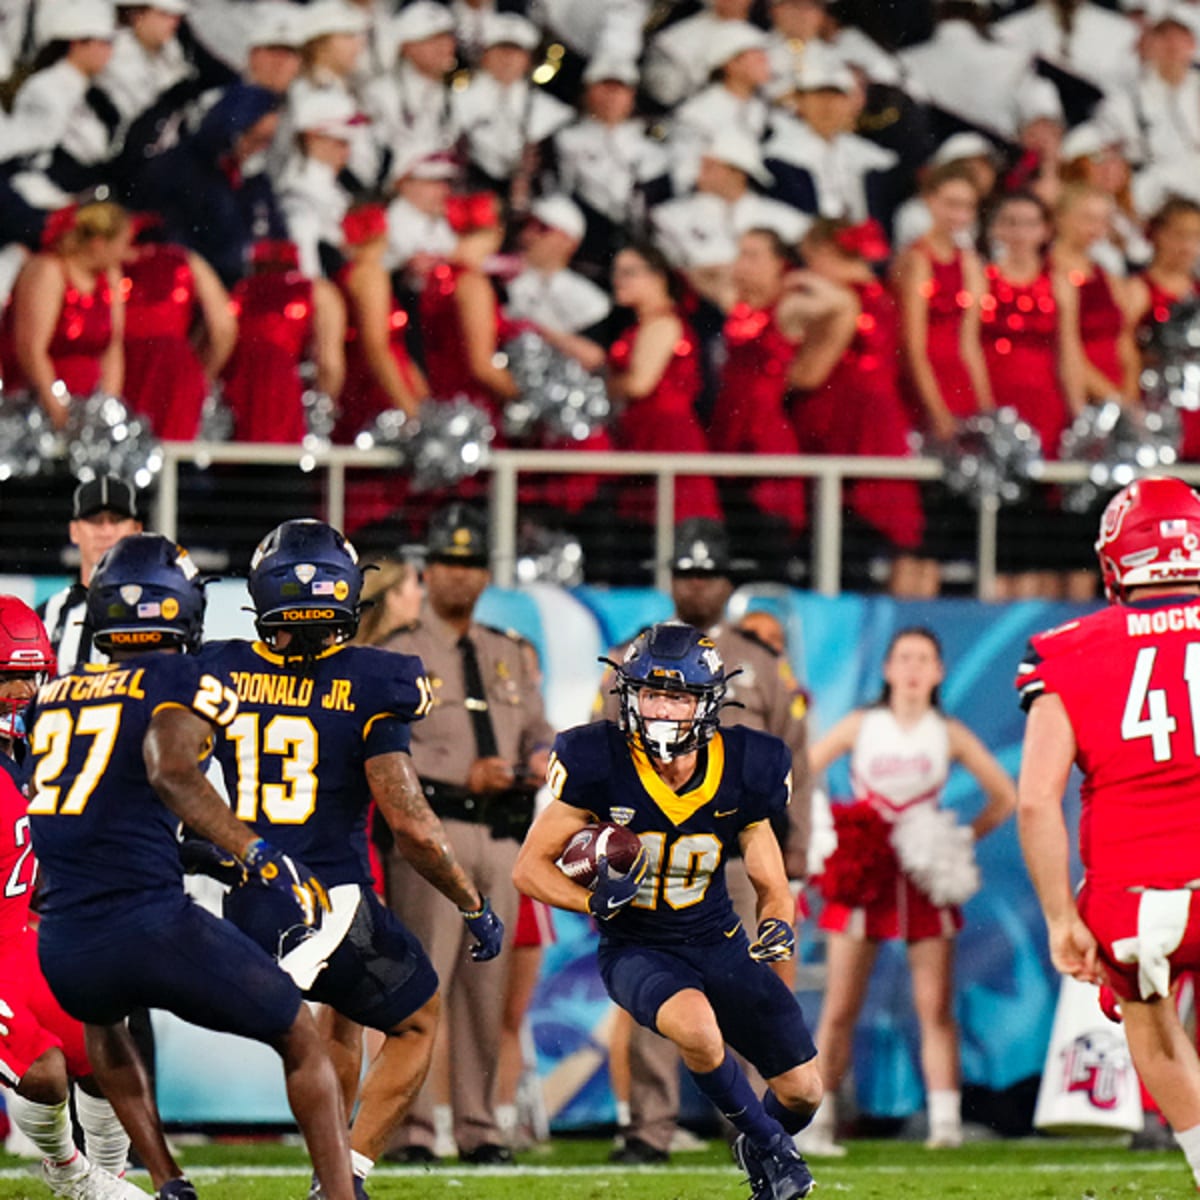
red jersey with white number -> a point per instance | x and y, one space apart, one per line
18 867
1129 677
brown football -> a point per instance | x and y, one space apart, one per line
581 856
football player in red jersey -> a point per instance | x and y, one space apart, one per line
41 1047
1118 693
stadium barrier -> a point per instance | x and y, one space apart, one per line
506 467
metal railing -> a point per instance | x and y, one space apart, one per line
829 474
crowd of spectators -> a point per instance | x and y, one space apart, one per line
779 226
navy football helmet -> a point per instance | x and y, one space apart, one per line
305 578
146 594
671 657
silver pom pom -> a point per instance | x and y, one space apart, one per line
320 416
1119 444
216 421
447 442
1172 359
27 439
102 438
993 453
560 399
549 556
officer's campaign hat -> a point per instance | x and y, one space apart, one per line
701 548
458 536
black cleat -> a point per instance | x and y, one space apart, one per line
636 1153
487 1155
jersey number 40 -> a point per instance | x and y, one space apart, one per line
681 875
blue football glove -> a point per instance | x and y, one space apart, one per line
776 941
200 857
612 892
488 931
277 870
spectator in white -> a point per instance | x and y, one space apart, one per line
560 302
733 101
147 59
1076 37
502 114
273 45
1094 157
795 25
312 200
854 48
471 19
14 27
231 30
103 511
418 233
605 159
970 150
52 116
819 165
699 233
333 41
1157 119
612 29
677 58
380 50
409 104
965 74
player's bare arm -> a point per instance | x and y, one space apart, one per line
1046 759
176 740
997 784
764 866
417 829
535 872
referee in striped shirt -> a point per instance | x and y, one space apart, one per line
103 511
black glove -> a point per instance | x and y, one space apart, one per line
201 857
613 892
277 870
775 942
488 931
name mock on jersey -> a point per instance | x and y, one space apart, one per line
110 682
289 691
1163 620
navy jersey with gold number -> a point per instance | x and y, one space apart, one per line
99 829
743 777
294 757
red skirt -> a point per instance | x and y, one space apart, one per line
907 914
165 383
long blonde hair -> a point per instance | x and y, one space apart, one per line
389 573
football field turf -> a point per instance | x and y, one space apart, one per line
576 1170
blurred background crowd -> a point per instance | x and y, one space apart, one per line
772 226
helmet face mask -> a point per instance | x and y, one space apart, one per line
1149 536
305 580
671 658
146 594
26 656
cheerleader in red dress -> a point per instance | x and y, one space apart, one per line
461 324
1030 331
760 343
655 376
901 750
854 404
1082 219
62 330
166 377
1174 233
938 284
380 375
283 316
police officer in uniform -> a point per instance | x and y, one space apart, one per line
103 511
481 755
762 684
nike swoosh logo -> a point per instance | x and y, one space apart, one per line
734 930
727 813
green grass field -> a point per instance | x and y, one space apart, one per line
577 1170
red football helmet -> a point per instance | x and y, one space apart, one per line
1149 534
24 648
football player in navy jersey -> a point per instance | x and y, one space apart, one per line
41 1048
116 752
321 729
672 950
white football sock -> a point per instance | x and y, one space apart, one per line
105 1139
47 1126
360 1164
624 1116
1189 1143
